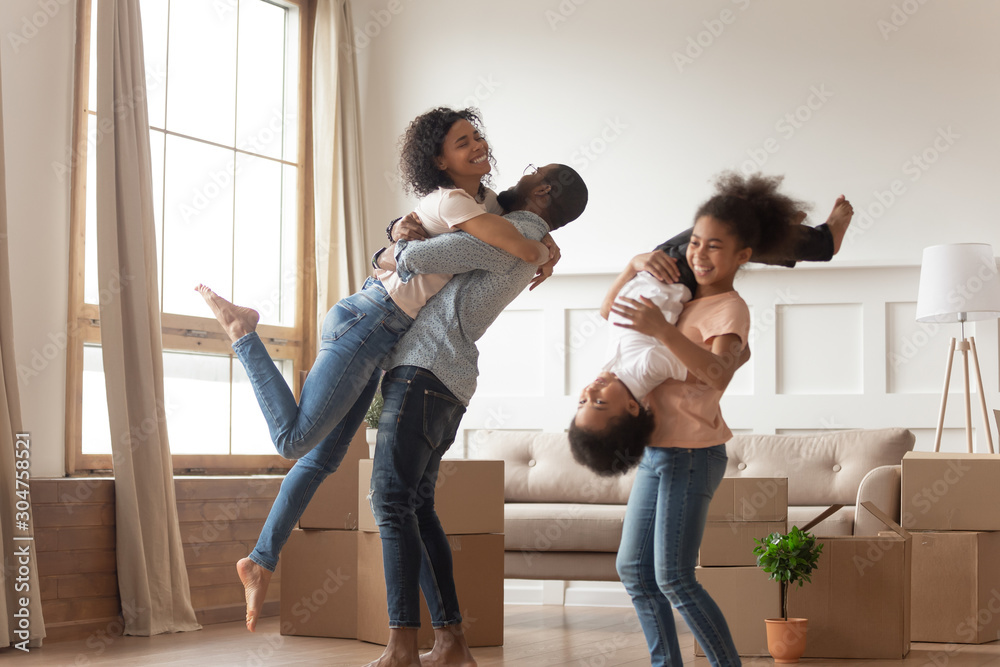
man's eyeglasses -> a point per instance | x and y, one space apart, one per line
529 170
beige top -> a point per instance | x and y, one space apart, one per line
439 212
687 411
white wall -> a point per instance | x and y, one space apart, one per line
885 101
36 52
557 76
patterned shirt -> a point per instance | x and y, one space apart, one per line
443 337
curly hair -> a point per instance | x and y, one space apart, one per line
422 143
755 211
616 449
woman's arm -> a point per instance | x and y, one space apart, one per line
499 233
714 367
660 264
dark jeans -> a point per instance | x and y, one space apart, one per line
418 425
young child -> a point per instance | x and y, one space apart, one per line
612 426
444 159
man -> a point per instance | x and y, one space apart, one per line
430 378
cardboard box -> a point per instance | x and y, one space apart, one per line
858 603
956 587
946 491
468 497
334 506
731 543
319 584
478 568
746 596
750 499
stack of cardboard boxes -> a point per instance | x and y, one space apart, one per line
334 584
858 601
742 509
951 502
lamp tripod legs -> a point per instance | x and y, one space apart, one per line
944 396
965 347
982 394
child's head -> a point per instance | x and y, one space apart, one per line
610 428
746 216
442 146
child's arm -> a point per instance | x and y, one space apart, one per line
714 367
499 233
660 264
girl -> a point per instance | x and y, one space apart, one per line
444 158
612 426
685 461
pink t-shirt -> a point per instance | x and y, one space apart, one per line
687 411
439 212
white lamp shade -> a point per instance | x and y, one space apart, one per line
958 282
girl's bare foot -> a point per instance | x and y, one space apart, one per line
236 321
255 581
839 220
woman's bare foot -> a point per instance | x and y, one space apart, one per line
255 581
839 220
236 321
450 649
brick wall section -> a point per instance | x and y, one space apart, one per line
74 522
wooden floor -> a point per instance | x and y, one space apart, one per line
535 637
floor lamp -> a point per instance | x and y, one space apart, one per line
959 283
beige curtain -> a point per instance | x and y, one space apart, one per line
341 258
152 578
20 624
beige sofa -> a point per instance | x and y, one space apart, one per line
563 522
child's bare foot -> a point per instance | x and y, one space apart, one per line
839 220
255 581
236 321
799 217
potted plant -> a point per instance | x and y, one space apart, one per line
372 418
788 558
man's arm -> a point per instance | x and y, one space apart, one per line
457 252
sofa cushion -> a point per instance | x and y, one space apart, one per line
839 523
562 527
821 469
539 468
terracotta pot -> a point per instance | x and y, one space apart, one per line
786 639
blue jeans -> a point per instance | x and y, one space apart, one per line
357 334
301 482
664 524
418 425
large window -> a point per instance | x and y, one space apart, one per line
227 103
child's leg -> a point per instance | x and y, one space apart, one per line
636 567
357 334
688 478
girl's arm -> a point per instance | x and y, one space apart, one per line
660 264
714 367
499 233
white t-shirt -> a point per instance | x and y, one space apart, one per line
439 212
642 362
